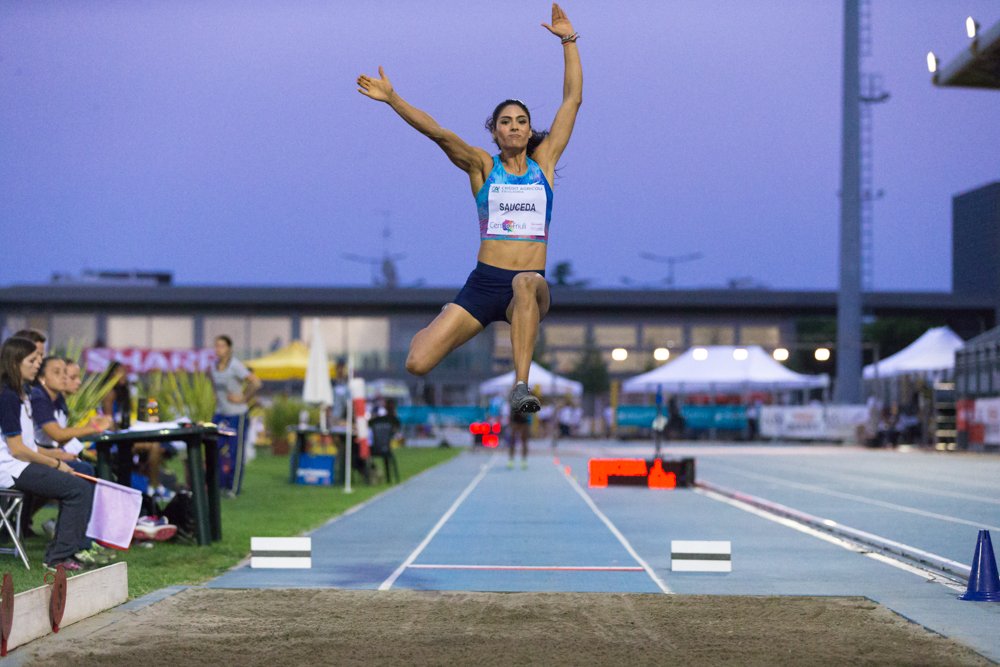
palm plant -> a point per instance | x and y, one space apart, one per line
92 391
183 394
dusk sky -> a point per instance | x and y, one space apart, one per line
226 142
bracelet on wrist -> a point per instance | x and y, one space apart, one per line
570 38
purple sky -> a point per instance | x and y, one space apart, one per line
224 141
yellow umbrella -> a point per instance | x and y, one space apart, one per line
288 363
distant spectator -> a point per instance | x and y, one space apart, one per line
235 385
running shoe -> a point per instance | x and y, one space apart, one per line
70 565
104 553
524 464
510 464
153 528
522 400
91 558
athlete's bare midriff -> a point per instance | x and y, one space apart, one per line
513 255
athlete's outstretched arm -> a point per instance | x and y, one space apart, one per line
468 158
562 127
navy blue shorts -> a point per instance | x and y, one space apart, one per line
487 293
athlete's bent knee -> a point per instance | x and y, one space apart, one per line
526 283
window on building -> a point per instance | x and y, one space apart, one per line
713 335
171 332
72 331
564 335
367 339
128 331
237 328
636 362
765 336
566 361
608 335
656 335
268 334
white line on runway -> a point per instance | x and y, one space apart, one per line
387 584
614 531
832 539
861 499
531 568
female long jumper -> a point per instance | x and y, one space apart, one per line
514 196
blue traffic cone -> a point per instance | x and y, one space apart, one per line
984 584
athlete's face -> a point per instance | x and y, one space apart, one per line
512 128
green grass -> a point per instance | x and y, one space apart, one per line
268 506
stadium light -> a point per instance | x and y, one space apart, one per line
740 354
661 354
971 27
780 354
619 354
932 62
700 354
822 354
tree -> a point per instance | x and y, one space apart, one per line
562 273
591 370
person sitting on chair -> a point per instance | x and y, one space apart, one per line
385 427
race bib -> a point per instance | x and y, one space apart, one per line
516 210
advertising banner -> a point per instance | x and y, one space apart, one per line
811 422
146 360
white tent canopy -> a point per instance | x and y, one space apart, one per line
723 368
549 383
933 352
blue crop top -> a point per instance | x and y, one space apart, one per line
515 208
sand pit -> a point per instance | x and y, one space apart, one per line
314 627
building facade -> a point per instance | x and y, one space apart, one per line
375 325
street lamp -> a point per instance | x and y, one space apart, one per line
822 354
619 354
661 354
971 27
780 354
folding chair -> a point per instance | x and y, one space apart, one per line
382 432
11 502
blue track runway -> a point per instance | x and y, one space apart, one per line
474 524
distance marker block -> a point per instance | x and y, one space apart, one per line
651 473
701 556
281 552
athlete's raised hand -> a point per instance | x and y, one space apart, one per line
561 27
378 89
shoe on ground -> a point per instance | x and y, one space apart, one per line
510 464
91 558
49 528
70 565
153 528
522 400
524 464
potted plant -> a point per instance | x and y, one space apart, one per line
282 415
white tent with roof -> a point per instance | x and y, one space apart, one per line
932 354
723 368
549 383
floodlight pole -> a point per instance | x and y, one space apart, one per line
848 383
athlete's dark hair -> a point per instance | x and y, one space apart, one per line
536 136
15 350
225 339
34 335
